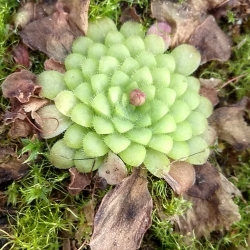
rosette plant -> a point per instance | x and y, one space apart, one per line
122 93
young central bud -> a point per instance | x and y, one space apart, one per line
137 97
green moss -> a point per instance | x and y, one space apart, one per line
45 211
235 72
7 36
113 10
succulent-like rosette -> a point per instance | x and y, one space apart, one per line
123 94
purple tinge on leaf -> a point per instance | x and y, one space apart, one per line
162 29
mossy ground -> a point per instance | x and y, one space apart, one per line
46 215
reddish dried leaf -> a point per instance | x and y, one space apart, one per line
21 55
51 64
124 215
216 213
231 124
14 169
20 85
79 181
211 41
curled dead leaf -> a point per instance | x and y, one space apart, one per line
212 210
231 124
124 215
181 176
206 181
21 128
211 41
20 85
53 34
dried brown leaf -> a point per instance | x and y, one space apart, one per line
213 45
231 124
206 182
78 13
79 181
113 169
20 85
209 89
51 35
21 128
124 215
52 122
54 33
129 13
181 176
184 18
214 212
13 169
5 153
24 15
51 64
21 55
32 106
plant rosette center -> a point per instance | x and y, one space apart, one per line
122 93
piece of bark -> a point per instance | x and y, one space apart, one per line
124 215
